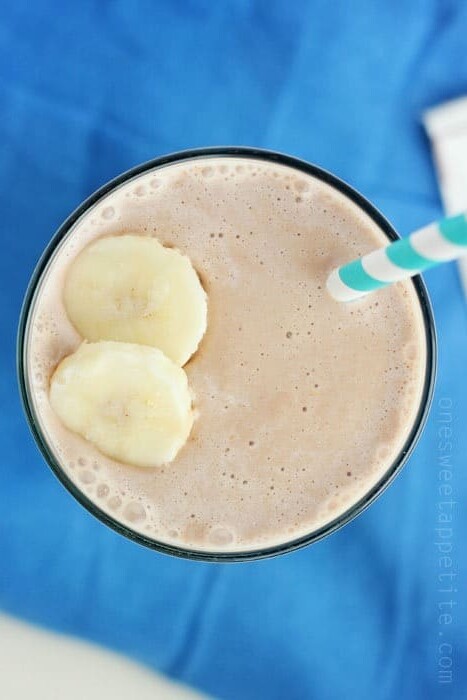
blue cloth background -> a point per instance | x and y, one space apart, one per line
89 89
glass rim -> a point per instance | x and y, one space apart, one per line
260 552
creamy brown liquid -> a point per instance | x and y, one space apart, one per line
303 402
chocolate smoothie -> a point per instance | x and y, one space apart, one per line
302 403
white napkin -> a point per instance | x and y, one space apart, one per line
446 125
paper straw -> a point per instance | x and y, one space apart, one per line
425 248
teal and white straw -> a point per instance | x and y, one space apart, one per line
425 248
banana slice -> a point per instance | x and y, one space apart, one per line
130 401
133 289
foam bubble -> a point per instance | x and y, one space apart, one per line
410 352
108 213
114 502
383 452
87 477
301 185
221 536
102 490
134 512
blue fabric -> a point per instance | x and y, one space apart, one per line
89 89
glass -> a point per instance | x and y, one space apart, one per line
333 525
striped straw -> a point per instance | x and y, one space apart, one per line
425 248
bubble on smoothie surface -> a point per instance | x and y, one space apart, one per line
134 512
